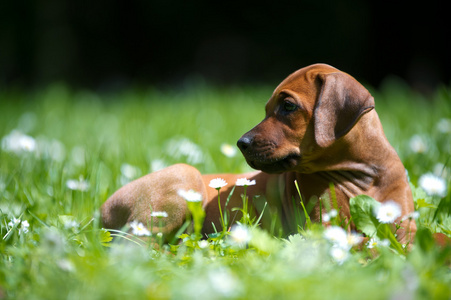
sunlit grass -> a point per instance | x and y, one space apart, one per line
63 152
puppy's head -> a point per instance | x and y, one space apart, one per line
308 112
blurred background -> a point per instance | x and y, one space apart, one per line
112 44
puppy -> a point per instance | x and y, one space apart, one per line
320 130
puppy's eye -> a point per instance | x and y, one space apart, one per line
289 106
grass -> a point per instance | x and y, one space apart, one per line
102 140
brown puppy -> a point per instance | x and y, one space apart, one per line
320 129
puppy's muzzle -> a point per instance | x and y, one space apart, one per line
243 143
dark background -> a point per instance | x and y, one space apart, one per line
108 43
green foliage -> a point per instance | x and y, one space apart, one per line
362 212
77 147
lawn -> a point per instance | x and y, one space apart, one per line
64 151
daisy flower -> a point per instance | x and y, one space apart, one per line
129 173
18 142
24 227
159 214
71 224
13 222
340 255
375 242
203 244
417 144
444 125
244 182
224 284
325 217
157 164
412 216
240 235
333 213
217 183
190 196
433 185
78 185
353 239
388 212
139 229
228 150
337 236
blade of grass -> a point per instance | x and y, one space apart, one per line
308 221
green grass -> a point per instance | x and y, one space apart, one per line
82 135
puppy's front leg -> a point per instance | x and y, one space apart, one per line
155 192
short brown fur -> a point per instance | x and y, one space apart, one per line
320 128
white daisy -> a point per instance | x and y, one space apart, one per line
444 125
337 236
330 215
24 227
217 183
240 235
130 171
244 182
78 185
354 239
340 255
185 148
325 217
157 164
224 284
203 244
18 142
13 222
388 212
433 185
190 196
417 144
71 224
228 150
139 229
159 214
375 242
412 216
333 213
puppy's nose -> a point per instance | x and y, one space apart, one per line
244 142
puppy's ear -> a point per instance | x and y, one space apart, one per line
341 103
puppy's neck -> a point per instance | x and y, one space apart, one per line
360 159
363 148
